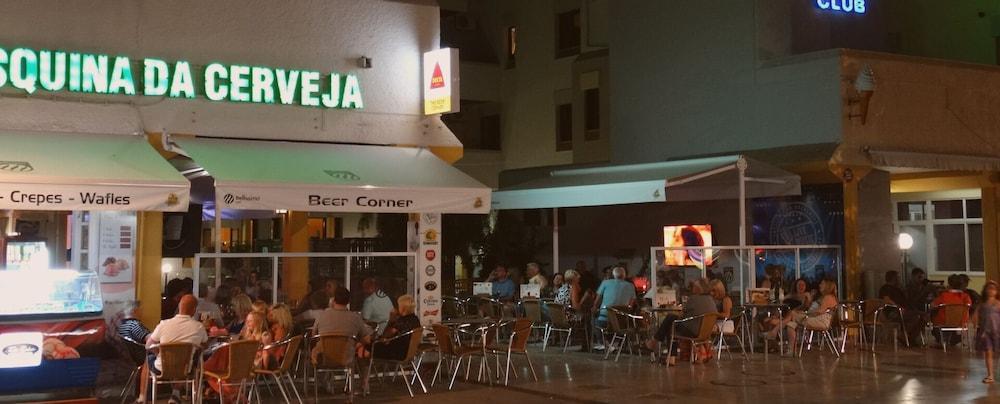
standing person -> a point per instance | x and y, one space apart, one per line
503 287
613 292
179 328
377 305
987 320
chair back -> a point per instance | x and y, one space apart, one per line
336 351
532 310
955 315
452 307
443 336
520 335
707 327
848 314
292 346
241 359
869 307
557 315
176 360
416 336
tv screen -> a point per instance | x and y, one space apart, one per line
689 235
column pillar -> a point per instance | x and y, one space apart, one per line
850 177
295 271
991 226
148 262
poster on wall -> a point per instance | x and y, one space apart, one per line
116 247
429 268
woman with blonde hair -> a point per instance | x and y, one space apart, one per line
242 305
820 312
254 328
724 304
389 347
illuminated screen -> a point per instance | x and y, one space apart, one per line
688 236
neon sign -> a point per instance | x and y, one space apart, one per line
54 71
844 6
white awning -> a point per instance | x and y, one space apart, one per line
320 177
49 171
682 180
932 161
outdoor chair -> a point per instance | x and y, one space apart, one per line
620 326
239 370
738 316
824 332
179 363
874 317
414 337
452 353
336 355
292 346
706 327
849 317
955 320
516 345
557 323
533 311
135 352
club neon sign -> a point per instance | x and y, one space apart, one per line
55 71
844 6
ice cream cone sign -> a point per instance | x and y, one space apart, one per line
864 84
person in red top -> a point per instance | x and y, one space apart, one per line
954 295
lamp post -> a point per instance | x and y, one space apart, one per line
905 242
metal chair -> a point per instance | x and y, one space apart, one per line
516 345
955 320
533 311
452 353
240 368
619 330
136 352
414 337
850 316
706 325
179 363
335 355
738 316
284 371
812 329
558 323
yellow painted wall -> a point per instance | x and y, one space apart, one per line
148 257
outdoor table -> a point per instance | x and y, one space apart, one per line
780 308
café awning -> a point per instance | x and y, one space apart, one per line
707 178
56 171
323 177
932 161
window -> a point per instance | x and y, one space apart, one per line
592 113
947 234
564 127
511 46
489 132
568 33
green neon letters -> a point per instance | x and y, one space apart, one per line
32 70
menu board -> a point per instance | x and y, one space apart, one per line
531 290
116 247
482 288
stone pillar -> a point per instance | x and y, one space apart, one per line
869 239
295 271
991 226
148 262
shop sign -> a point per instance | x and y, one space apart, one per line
32 71
844 6
441 81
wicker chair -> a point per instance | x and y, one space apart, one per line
414 337
284 371
336 354
179 363
240 369
706 325
956 319
558 323
516 345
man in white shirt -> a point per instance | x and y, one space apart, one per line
535 276
377 306
180 328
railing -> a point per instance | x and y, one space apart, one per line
351 260
734 265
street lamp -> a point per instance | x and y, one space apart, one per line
905 242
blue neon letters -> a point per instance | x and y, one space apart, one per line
844 6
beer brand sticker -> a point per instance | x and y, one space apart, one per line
431 237
430 270
430 255
430 286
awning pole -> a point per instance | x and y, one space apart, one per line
218 240
741 166
555 241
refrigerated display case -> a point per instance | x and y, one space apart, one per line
26 255
49 294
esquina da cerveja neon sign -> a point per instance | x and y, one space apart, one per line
55 71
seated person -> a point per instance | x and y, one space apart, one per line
819 314
377 305
698 303
338 320
503 287
255 329
181 328
723 305
282 327
801 296
953 295
405 321
892 294
208 312
129 327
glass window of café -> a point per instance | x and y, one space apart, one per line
947 233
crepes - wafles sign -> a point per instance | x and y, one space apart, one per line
53 71
93 197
